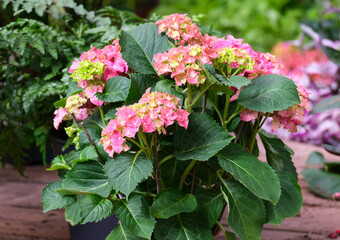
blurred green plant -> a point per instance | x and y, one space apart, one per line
34 55
261 23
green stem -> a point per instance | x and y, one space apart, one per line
217 111
226 107
233 115
135 142
185 174
261 124
166 159
200 95
188 100
102 116
221 227
157 174
253 136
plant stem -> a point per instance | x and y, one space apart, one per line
217 111
185 174
74 120
205 102
188 100
226 107
145 193
200 95
193 179
102 116
135 142
232 116
156 162
166 159
221 227
91 142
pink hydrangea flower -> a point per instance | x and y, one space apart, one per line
180 62
76 104
154 112
181 28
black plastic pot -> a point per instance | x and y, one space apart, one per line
93 231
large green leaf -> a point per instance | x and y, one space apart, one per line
127 170
326 104
95 208
73 212
210 205
269 93
122 233
139 84
202 140
171 202
135 214
278 155
246 212
290 201
322 183
116 90
52 200
185 226
140 45
87 177
252 173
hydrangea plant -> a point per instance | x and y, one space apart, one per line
166 124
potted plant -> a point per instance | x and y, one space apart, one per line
165 123
35 53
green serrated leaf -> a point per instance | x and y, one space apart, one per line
116 90
315 157
186 226
172 201
122 233
135 214
88 177
58 163
278 155
86 154
73 212
210 205
324 184
202 140
289 203
139 83
252 173
140 45
127 170
95 208
234 81
269 93
246 212
52 200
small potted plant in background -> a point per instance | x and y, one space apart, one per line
35 53
165 123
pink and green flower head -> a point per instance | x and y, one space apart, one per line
76 105
180 28
154 112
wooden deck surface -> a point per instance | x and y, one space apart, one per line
21 216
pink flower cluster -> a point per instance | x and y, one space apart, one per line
154 111
77 104
181 63
180 28
96 67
